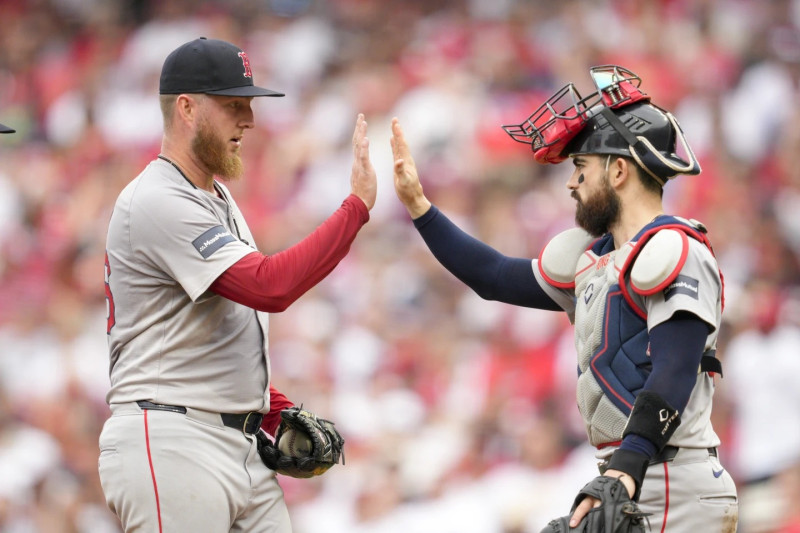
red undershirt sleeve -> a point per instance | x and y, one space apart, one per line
277 403
271 283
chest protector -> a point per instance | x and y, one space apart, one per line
610 319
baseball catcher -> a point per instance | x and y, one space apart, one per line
643 290
326 445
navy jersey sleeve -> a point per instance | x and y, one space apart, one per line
492 275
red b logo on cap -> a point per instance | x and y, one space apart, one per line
248 73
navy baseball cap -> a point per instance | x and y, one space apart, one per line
209 66
6 129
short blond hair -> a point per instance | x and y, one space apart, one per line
167 102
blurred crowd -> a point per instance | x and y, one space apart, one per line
459 414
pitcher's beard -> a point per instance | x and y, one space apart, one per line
598 213
212 151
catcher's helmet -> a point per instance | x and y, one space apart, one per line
642 131
617 119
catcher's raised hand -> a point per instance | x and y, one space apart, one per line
406 180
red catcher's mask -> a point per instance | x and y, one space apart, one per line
559 119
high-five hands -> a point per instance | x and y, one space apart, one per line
406 180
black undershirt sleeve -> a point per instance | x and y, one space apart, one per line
492 275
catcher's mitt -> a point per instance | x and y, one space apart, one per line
617 512
323 447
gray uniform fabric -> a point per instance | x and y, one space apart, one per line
693 492
585 305
169 472
173 342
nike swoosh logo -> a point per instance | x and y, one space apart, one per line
717 474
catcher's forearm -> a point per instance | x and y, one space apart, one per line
650 425
676 347
492 275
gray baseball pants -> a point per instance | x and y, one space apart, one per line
170 472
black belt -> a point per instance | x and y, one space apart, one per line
250 423
669 452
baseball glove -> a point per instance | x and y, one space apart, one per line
324 448
617 512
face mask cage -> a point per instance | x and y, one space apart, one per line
554 123
550 128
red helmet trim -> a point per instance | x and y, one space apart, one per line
562 116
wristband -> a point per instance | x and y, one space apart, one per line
652 418
632 463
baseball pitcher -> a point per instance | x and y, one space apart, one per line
188 295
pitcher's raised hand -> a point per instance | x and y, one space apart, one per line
363 181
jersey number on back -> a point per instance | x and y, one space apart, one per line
109 301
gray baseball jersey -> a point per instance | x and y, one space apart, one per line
172 341
693 492
592 305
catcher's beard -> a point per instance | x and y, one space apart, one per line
600 211
212 151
